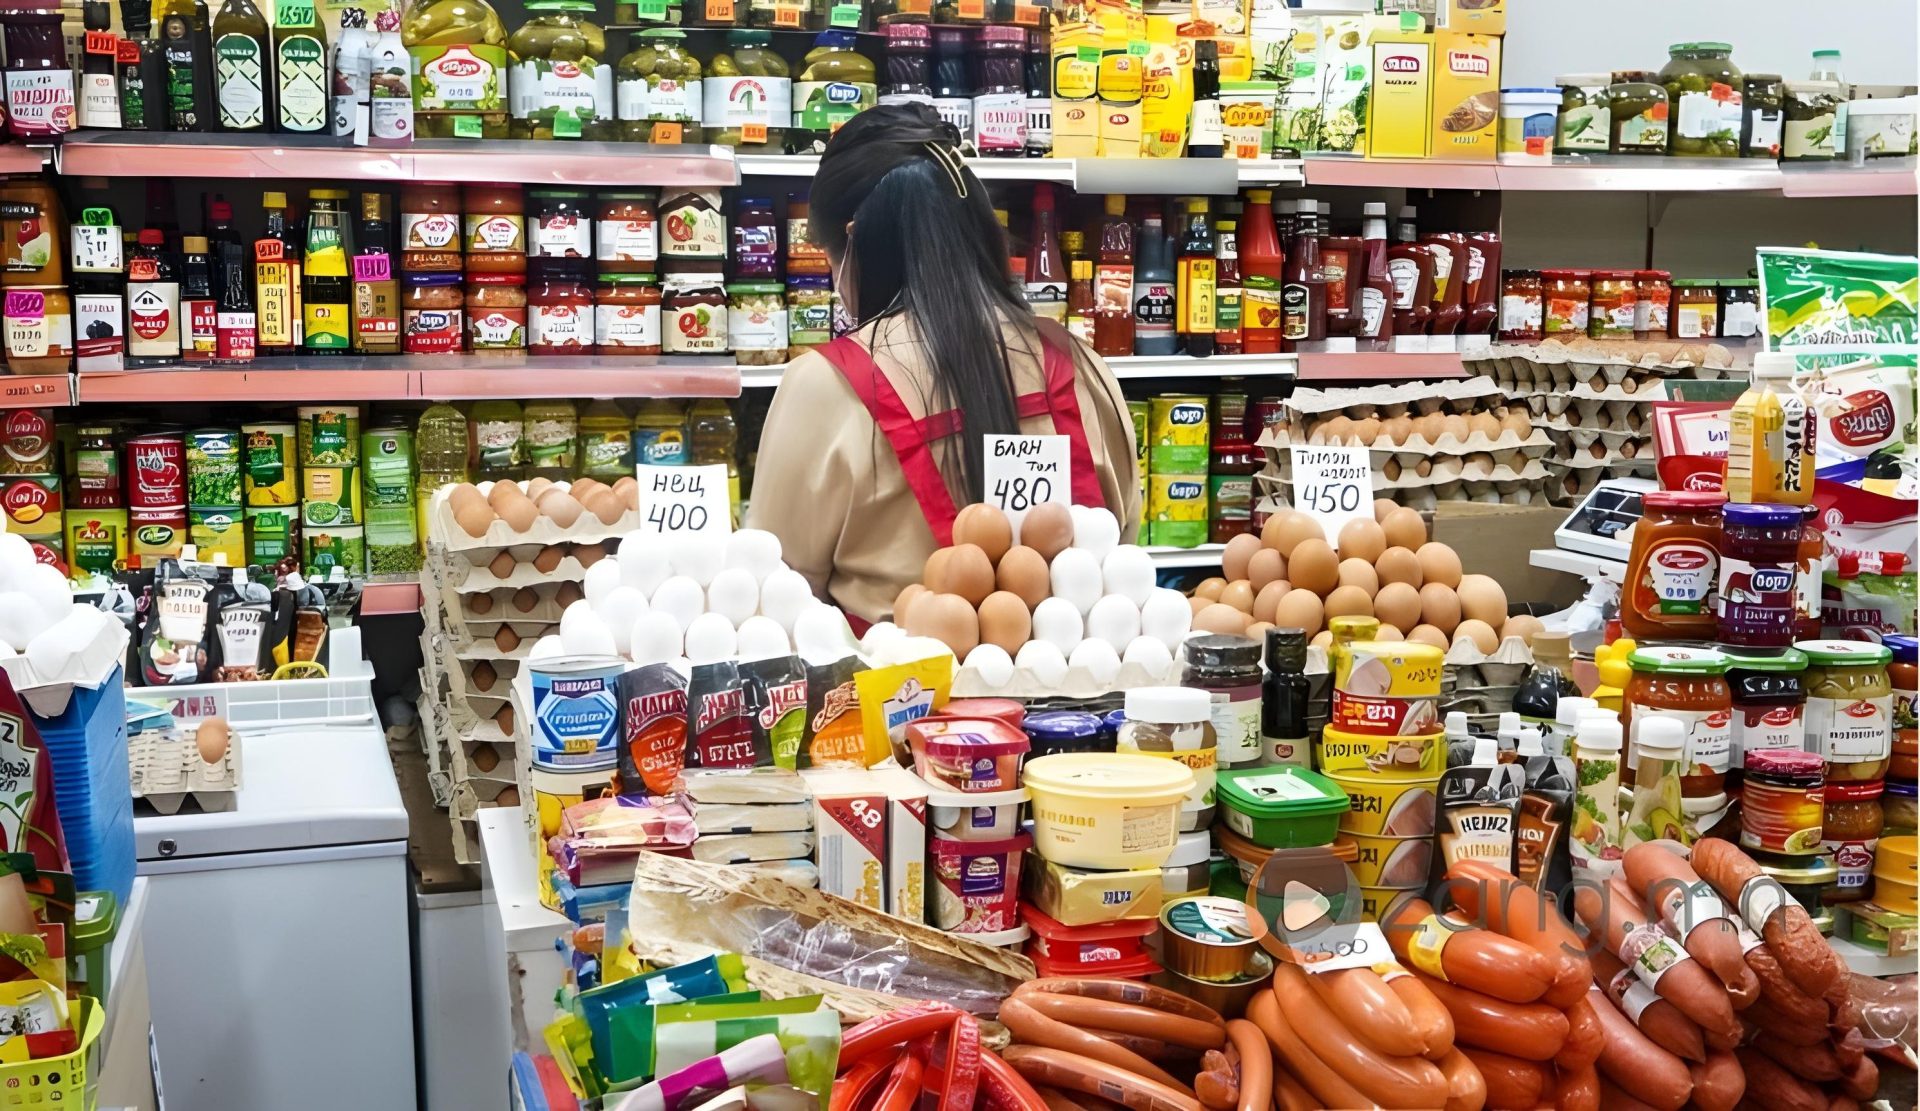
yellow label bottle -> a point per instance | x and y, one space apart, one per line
1770 443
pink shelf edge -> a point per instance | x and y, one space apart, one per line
32 391
1347 366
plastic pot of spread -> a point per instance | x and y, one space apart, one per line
976 887
1106 811
1248 858
1175 724
1188 870
1896 875
1229 998
1208 938
973 816
1281 807
967 754
1002 709
1082 897
1395 863
1101 949
1387 688
1056 731
1382 807
1338 752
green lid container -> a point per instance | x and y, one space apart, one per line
1280 807
96 919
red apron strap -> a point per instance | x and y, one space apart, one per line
1064 401
902 431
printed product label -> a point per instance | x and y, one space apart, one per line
1709 744
1741 318
496 329
562 236
1680 576
1808 138
1850 730
1757 600
1404 273
1237 724
40 101
497 232
627 325
628 240
1650 953
548 90
1695 322
99 101
432 331
826 105
1519 313
1764 137
576 718
736 103
1855 861
1000 121
668 100
429 231
559 326
1039 125
303 83
1564 315
1650 314
1760 728
758 330
460 78
1711 115
240 81
1442 269
153 318
203 329
956 110
233 335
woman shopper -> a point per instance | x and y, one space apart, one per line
874 441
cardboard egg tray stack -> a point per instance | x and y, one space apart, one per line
165 768
1592 398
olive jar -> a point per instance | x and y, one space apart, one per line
1704 87
1764 105
1585 108
1638 115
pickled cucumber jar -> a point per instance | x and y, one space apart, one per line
1584 114
748 95
458 51
562 88
1705 89
1639 114
659 90
836 84
1766 96
1812 112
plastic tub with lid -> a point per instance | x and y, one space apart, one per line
1056 731
973 815
1102 949
1281 807
1002 709
1529 124
1188 870
1896 874
1110 811
976 884
967 754
1249 858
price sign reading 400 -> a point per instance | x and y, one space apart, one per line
1334 485
684 500
1025 471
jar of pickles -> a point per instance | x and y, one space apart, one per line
1585 114
809 313
757 323
1638 113
1696 309
561 87
1569 295
1811 110
748 94
1849 707
1704 87
1615 300
1654 292
626 314
1522 306
1764 104
837 83
660 97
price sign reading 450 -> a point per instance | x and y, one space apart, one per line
683 500
1333 485
1024 471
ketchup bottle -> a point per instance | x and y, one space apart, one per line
1449 281
1376 289
1410 268
1261 270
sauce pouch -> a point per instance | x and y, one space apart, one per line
835 735
891 697
242 638
175 645
776 690
653 729
719 727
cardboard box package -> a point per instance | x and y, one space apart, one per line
870 828
1480 17
1400 112
1466 96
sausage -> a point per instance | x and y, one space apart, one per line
1649 1073
851 1087
1217 1085
1805 955
1057 1101
1863 1080
1002 1089
1132 992
1848 1047
1658 1019
1719 1084
1780 993
1577 1089
1584 1036
1070 1072
1153 1049
1126 1018
1431 1019
1327 1086
1388 1081
1488 895
1774 1088
1676 893
896 1027
1031 1026
1846 1008
1478 960
1842 1103
1615 1098
1371 1009
1256 1065
1290 1095
1512 1084
1617 919
1770 1024
1816 1062
1531 1031
1466 1088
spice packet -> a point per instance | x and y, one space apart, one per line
719 728
777 700
653 729
891 697
835 735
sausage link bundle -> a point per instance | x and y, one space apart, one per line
1496 899
1621 925
1678 896
1340 1061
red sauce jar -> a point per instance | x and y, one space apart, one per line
1673 567
1655 290
1690 686
560 313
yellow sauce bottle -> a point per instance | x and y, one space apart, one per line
1770 447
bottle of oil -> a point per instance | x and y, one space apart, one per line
714 438
300 69
606 442
660 433
327 292
240 66
376 290
551 434
180 27
498 428
440 451
276 281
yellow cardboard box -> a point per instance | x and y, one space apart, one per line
1076 91
1480 17
1466 96
1399 115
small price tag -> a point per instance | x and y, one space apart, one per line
1138 49
566 125
665 131
1087 55
720 11
1028 15
1024 471
128 53
786 16
466 127
372 268
653 11
1333 485
293 14
753 132
844 15
684 500
973 9
269 250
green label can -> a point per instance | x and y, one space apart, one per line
213 467
328 549
97 542
219 535
268 467
386 466
270 534
329 496
329 435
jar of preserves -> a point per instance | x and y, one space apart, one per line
1704 87
496 229
1569 295
626 233
561 86
432 320
1696 309
809 313
1000 92
1688 685
1769 701
1522 306
748 92
695 227
1654 292
1739 308
1812 112
430 228
756 239
693 317
1638 113
1585 114
1903 671
1849 707
1759 580
39 329
497 312
1615 302
757 323
562 224
626 314
804 256
1673 567
560 311
1764 105
1851 831
660 96
1900 809
836 84
1782 802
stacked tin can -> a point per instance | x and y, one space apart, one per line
1177 459
270 478
155 476
332 522
30 491
216 527
390 518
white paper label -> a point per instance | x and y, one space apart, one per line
684 500
1333 485
1851 730
1024 471
1651 953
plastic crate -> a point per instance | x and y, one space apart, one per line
56 1082
92 787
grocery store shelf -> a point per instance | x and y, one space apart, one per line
592 376
381 599
1624 173
1891 177
159 154
1180 559
18 158
1429 173
1217 366
1195 176
1334 366
32 391
245 383
427 377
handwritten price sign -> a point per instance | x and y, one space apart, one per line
683 500
1333 485
1024 471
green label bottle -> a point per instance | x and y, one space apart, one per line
300 51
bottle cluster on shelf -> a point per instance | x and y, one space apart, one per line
1626 304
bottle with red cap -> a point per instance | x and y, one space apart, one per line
153 301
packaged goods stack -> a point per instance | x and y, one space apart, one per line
1177 484
216 522
270 476
333 534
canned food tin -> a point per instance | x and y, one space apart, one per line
26 442
576 712
32 505
1178 431
218 535
329 496
97 542
271 534
154 534
329 435
326 550
157 472
213 468
269 468
96 469
1177 509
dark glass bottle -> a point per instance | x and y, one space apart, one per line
1538 699
99 99
1206 138
235 325
952 88
1303 297
142 83
908 69
1153 292
1039 95
198 312
1000 93
1198 281
188 68
1283 700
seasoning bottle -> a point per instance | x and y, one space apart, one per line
234 336
1198 282
197 306
1039 94
1080 299
1657 812
1343 259
185 69
1206 136
1449 281
1550 677
1113 281
1770 446
142 81
390 95
1283 701
99 100
376 290
1595 841
1376 285
276 281
1262 268
1153 292
1303 296
300 69
241 66
97 254
153 301
1479 808
1229 295
327 290
1046 275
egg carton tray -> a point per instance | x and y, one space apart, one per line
482 580
1447 394
165 769
473 725
433 743
1500 667
541 612
463 770
1579 438
443 530
471 796
1613 461
48 693
1561 360
1079 683
1440 472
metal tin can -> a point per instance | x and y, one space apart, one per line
97 542
330 549
575 722
213 468
26 442
157 472
272 534
329 435
154 534
218 534
32 505
96 469
269 470
330 496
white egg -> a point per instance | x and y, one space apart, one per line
588 635
601 580
6 651
785 596
1128 572
575 614
655 638
1166 616
48 588
1046 663
734 594
1076 577
1149 653
761 638
991 664
1098 659
822 635
907 650
754 551
547 647
681 597
710 638
620 608
1115 620
1095 531
698 555
1058 622
879 636
643 560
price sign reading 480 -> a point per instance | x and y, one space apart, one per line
1333 485
1025 471
682 500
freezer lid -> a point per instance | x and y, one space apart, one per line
303 788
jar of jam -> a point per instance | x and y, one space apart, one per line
626 234
809 313
1849 707
1228 669
430 228
496 230
1688 685
1904 675
1653 292
1696 309
1673 567
1850 831
1759 580
695 227
757 322
562 224
804 256
1809 560
1769 701
1739 308
39 329
1569 294
1056 731
560 311
1782 802
497 312
626 314
1611 310
1522 306
432 317
693 318
756 239
1900 809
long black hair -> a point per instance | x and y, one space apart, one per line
927 247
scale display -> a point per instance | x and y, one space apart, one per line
1602 524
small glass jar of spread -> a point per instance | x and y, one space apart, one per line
430 228
1764 103
1900 809
1688 685
693 318
1613 306
1739 308
432 320
1851 831
1673 567
1696 309
1759 576
1782 802
1583 120
1055 731
1569 294
626 314
1522 306
562 224
496 229
39 329
626 233
804 256
757 322
1903 672
1654 292
1228 668
1849 707
756 239
695 228
809 313
497 312
1769 701
1176 723
560 311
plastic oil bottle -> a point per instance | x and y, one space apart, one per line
1594 837
1770 446
551 436
713 438
606 442
500 452
440 450
660 433
1659 744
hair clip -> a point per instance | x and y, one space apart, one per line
949 160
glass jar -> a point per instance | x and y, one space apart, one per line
432 316
1903 671
39 329
1614 305
430 228
496 229
1781 802
748 93
1673 567
1849 707
1739 308
835 84
1690 686
1585 114
1900 809
1759 558
1000 92
1764 104
804 256
1522 306
1228 668
560 312
1769 701
757 323
1569 293
626 314
1851 831
660 97
756 239
561 86
1809 563
1704 87
1696 309
1812 111
497 312
695 227
809 313
626 233
1654 292
908 64
1638 114
562 224
693 317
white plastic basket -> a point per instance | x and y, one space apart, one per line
272 704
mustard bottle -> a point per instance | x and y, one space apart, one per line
1770 446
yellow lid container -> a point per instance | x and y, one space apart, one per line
1898 859
1105 810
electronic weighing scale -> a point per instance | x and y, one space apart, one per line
1596 538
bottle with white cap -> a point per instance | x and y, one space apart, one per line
1545 808
1595 841
1567 714
1659 744
1459 737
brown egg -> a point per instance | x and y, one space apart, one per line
560 507
1517 423
484 758
1048 529
504 719
1398 565
537 487
629 490
1455 426
1313 566
1387 633
1299 609
1294 528
1267 566
1210 588
605 505
911 593
934 574
470 510
502 565
212 739
1220 618
1336 430
1005 621
1321 640
1485 424
1521 625
1258 631
1427 634
568 594
483 676
548 558
1361 539
1365 431
970 573
589 554
986 527
1482 599
479 605
1382 507
1360 573
1197 603
1349 601
504 491
1023 572
1235 561
1398 605
525 599
1268 599
1405 529
1440 607
1270 532
506 640
1438 564
515 508
508 796
1396 429
583 486
947 618
1239 595
1480 633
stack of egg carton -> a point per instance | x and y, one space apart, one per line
1593 398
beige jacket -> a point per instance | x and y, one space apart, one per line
828 484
